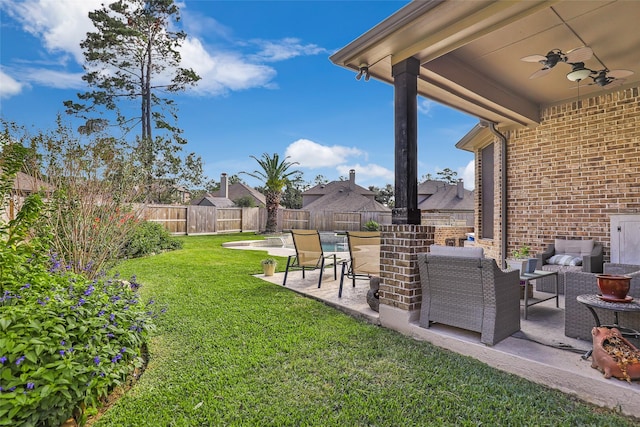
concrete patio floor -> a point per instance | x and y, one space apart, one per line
539 352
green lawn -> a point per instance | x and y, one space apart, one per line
235 350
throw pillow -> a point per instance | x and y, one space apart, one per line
565 260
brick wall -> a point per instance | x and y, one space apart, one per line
569 174
400 285
442 233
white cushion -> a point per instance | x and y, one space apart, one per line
573 247
456 251
565 260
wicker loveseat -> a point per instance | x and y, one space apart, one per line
578 320
568 255
460 288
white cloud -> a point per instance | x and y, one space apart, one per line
63 24
312 155
468 175
367 172
425 106
224 71
8 86
287 48
60 23
53 78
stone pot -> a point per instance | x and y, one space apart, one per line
607 363
614 286
373 299
268 269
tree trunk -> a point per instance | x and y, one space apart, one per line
272 203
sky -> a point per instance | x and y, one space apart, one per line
267 86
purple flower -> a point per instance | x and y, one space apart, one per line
61 352
26 286
113 316
62 342
20 360
41 302
3 359
30 386
123 349
116 358
89 290
101 313
96 360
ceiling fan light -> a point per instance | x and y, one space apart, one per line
579 74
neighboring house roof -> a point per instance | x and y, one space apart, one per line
341 196
346 200
239 190
29 184
442 196
209 200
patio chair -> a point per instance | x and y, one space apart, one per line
309 255
568 255
364 252
578 321
467 291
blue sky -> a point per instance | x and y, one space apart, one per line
267 85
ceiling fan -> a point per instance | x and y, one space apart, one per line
609 77
554 56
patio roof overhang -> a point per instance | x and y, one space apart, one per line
469 52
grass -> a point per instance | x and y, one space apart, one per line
235 350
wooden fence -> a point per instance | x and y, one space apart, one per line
191 219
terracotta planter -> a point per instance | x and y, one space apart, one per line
614 287
624 363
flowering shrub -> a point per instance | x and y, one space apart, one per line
65 340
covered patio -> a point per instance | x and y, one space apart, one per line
556 145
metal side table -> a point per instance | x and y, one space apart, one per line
592 301
538 274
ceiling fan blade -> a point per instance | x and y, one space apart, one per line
579 54
615 82
534 58
619 74
540 73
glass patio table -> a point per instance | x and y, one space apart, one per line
537 274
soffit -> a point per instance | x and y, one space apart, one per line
470 52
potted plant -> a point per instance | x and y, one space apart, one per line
269 266
522 259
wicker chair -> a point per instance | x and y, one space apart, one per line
589 250
470 293
309 255
578 320
364 257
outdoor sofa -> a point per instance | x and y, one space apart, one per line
565 255
578 320
463 289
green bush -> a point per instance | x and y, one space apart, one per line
371 226
65 340
149 238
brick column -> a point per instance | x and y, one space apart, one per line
400 290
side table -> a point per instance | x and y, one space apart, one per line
592 301
538 274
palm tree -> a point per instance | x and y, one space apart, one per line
275 175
